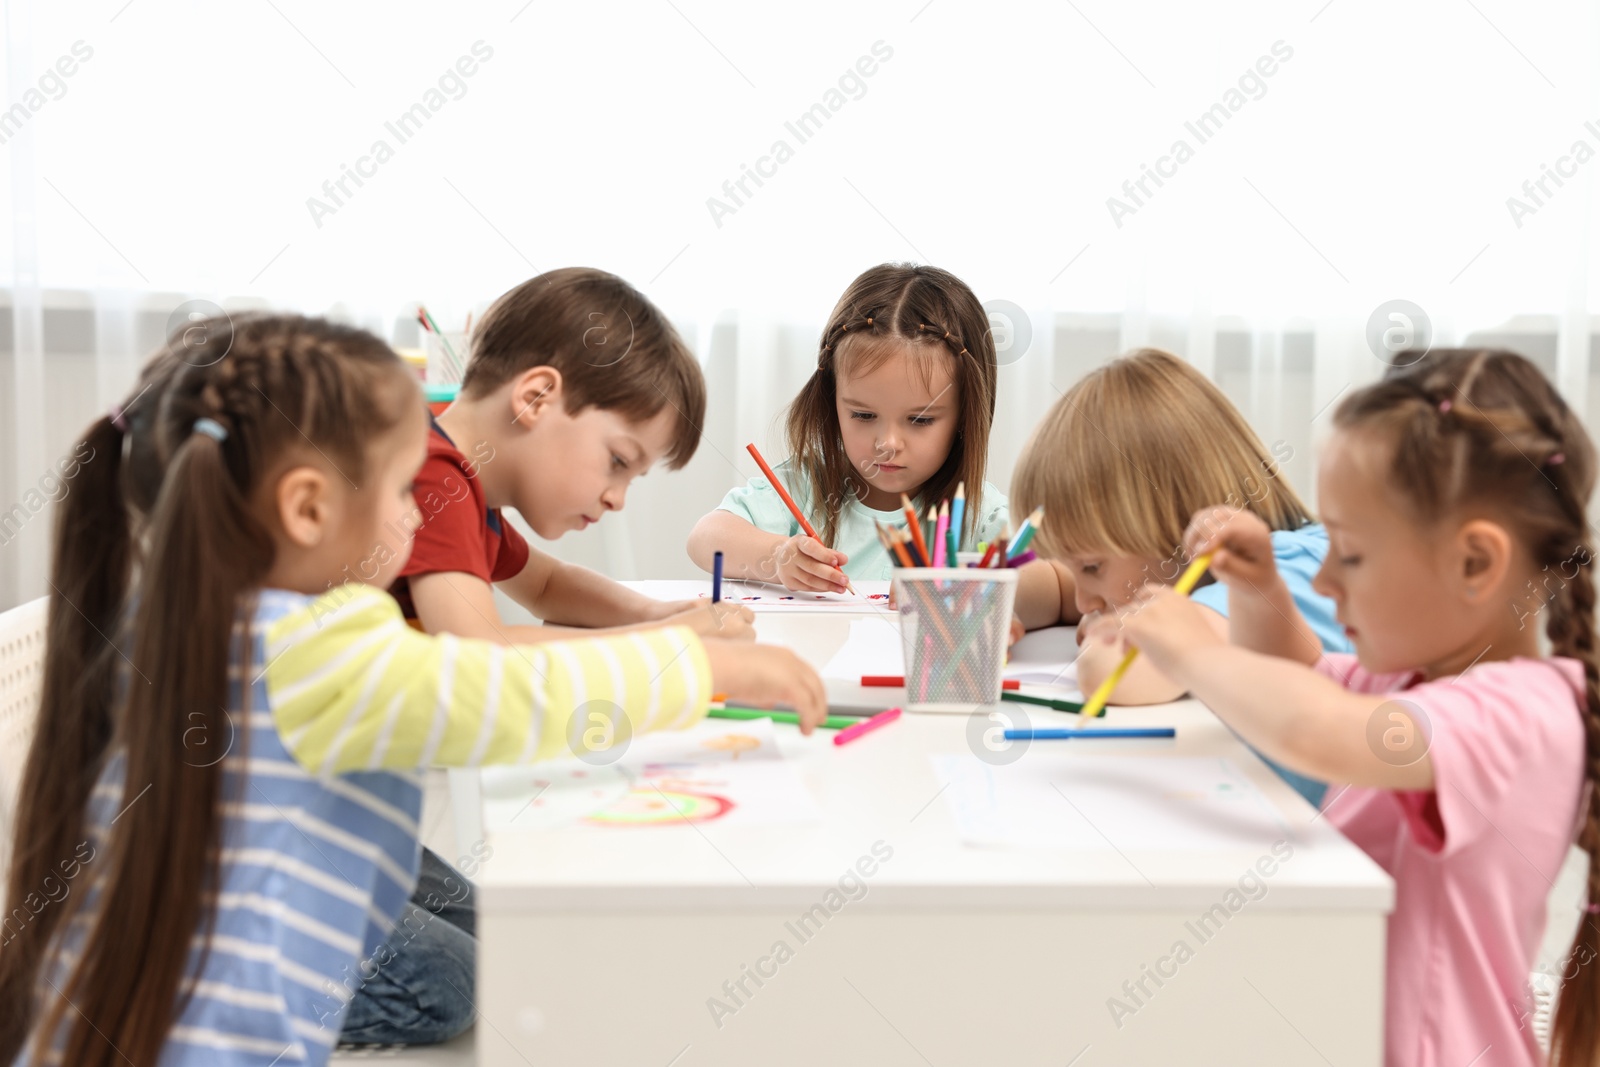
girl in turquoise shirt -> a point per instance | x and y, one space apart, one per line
900 405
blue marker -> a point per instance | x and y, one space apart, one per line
716 578
1064 735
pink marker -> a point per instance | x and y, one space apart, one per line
850 733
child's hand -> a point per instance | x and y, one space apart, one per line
1099 627
727 620
1017 630
1240 543
807 565
763 675
1168 627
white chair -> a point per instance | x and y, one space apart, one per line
22 636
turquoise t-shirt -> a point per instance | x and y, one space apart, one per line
1299 554
760 505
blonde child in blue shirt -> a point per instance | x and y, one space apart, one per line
900 403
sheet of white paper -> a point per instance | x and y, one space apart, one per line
1047 658
1096 802
757 596
730 773
873 647
1063 676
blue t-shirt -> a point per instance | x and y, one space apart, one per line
1299 554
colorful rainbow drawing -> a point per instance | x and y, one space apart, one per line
652 807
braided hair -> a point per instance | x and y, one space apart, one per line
934 312
158 547
1485 426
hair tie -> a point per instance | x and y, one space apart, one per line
212 429
1593 909
117 420
1556 459
1444 406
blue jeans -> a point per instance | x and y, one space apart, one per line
423 991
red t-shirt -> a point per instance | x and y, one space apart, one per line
459 531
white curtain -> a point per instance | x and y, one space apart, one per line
1250 185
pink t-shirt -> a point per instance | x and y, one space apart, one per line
1474 859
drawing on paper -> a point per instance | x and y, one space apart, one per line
648 805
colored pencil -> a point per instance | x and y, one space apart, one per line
915 527
716 577
997 545
905 540
917 558
1067 735
1044 702
890 681
958 512
940 531
794 509
1025 532
832 722
427 321
895 548
1025 558
835 708
1184 586
850 733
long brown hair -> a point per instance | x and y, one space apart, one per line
158 547
1126 457
614 348
932 310
1486 427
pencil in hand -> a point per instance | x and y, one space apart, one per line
788 501
1183 587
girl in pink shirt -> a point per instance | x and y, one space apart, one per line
1455 494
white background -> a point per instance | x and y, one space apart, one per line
1376 166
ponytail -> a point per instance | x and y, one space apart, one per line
89 577
205 552
175 473
1575 1032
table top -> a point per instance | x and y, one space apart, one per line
884 790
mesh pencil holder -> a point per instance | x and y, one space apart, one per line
954 623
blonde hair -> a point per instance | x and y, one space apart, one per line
1123 461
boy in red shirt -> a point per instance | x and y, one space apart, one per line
576 385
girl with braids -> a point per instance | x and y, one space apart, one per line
900 403
1455 495
236 735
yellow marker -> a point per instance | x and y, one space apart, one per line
1097 703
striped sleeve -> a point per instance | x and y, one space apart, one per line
351 687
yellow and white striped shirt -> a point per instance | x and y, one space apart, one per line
321 800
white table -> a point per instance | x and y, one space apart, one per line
606 947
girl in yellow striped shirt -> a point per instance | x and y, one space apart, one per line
238 739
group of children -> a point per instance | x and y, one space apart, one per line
273 606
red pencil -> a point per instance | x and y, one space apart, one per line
995 544
788 501
889 681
